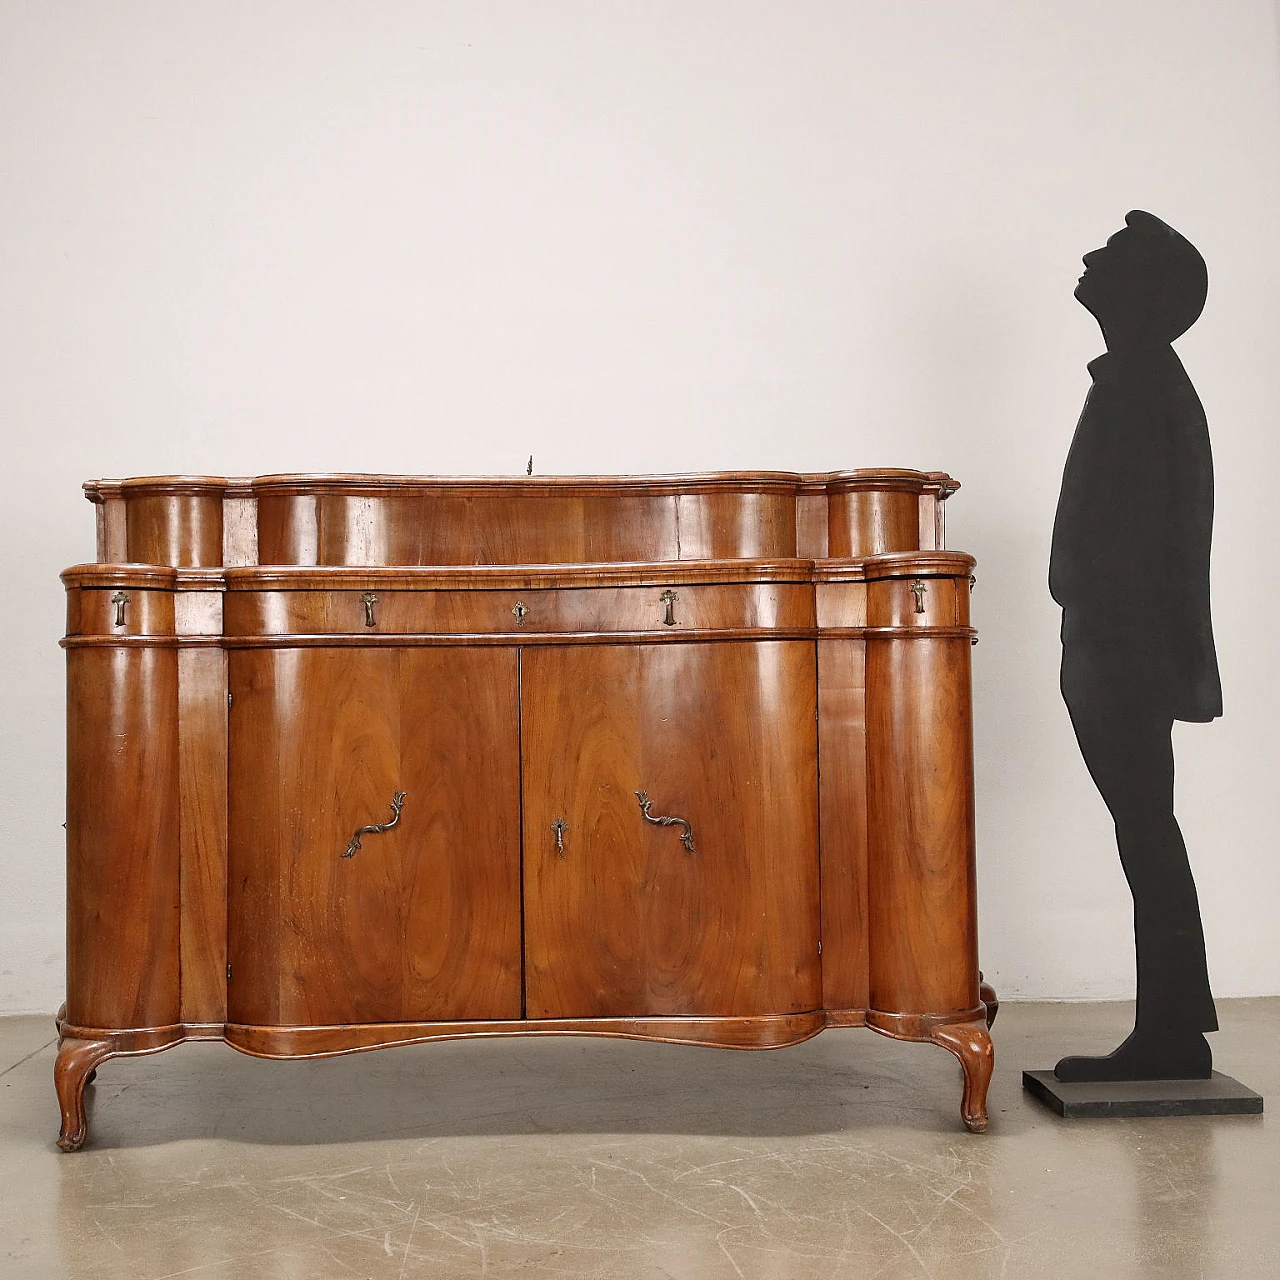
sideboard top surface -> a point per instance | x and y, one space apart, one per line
514 485
387 521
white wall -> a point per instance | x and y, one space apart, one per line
808 234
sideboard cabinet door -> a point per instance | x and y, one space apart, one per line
422 921
621 918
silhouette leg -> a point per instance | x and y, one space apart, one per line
1130 758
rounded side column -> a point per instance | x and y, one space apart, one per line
174 520
922 910
122 802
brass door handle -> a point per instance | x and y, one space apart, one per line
377 828
686 837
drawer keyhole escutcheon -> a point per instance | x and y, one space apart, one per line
686 837
559 826
369 600
119 600
521 610
669 599
377 828
918 589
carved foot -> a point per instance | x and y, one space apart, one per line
987 994
970 1043
75 1067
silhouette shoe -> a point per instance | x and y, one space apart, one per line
1179 1055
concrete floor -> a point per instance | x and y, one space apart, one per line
607 1160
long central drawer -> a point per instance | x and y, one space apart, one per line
677 608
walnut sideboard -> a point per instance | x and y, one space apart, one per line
364 760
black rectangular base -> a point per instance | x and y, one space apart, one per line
1218 1096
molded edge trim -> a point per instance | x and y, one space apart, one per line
525 577
766 1031
920 1026
413 639
862 478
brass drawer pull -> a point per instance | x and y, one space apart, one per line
559 826
686 838
119 600
918 589
668 599
376 828
369 600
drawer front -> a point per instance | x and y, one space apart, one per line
918 602
572 610
119 611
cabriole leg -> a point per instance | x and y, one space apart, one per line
970 1043
76 1064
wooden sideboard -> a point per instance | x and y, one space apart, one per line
357 761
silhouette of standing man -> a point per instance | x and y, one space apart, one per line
1130 568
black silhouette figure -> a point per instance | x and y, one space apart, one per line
1130 568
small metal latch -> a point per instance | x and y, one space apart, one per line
368 600
120 599
669 599
228 973
560 826
918 589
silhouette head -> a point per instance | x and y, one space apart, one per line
1146 286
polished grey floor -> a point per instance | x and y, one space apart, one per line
607 1160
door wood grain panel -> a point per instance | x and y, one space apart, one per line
423 921
626 921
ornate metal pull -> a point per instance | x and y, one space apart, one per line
520 609
918 589
669 599
376 828
369 600
560 826
686 838
119 600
